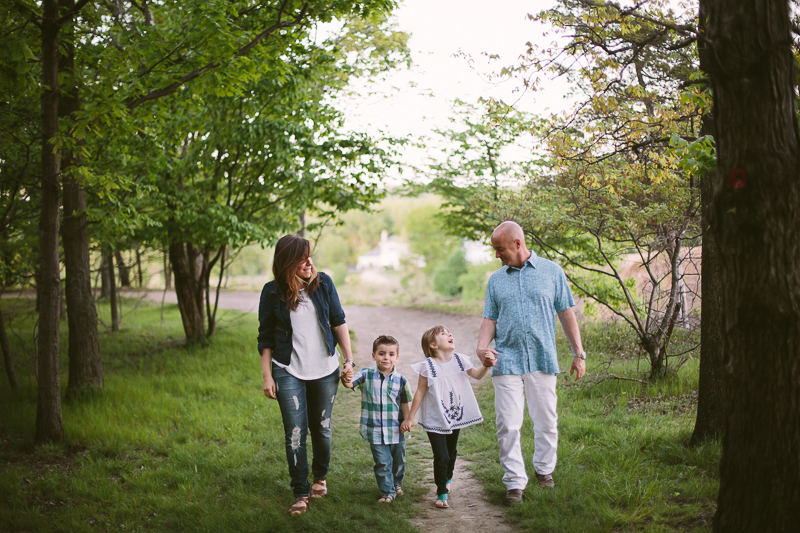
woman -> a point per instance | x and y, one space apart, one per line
300 323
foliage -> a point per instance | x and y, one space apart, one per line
428 238
621 176
447 275
473 282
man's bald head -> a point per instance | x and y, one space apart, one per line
509 230
508 241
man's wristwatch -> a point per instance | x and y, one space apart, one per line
582 355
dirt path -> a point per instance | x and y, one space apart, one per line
470 509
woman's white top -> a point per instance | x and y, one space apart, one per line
449 402
310 357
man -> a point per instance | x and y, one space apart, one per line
522 300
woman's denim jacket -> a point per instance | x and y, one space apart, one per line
275 325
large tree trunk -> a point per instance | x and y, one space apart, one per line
85 364
8 357
49 423
756 222
188 289
711 389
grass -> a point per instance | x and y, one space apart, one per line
182 439
624 463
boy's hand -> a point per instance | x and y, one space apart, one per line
406 426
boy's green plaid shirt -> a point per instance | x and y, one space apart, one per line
380 404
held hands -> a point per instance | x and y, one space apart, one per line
406 426
347 375
487 356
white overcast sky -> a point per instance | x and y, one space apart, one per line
440 29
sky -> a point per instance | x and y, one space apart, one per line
414 102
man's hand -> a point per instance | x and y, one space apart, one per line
487 356
578 365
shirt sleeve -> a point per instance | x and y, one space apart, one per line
490 306
266 323
358 378
466 361
420 368
563 299
405 392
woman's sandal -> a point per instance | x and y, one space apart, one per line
441 502
398 491
300 506
386 498
319 489
447 485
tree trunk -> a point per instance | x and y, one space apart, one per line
756 223
188 289
124 275
167 271
139 268
49 423
710 394
85 364
112 290
104 283
8 357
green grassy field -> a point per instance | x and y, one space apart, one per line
182 439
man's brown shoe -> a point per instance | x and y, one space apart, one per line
545 480
514 496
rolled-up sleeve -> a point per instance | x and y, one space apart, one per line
266 323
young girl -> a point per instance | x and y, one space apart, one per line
446 402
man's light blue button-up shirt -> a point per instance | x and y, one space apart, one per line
524 302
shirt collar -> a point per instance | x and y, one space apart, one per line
531 261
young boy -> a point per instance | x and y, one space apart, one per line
385 403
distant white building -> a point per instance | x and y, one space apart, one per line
387 254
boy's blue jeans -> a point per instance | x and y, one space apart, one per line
390 465
306 406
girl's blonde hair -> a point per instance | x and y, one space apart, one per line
427 339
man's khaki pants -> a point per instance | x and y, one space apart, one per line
510 393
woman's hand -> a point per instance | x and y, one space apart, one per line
269 387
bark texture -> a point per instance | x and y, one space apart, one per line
49 422
756 223
184 259
8 357
112 290
711 391
85 364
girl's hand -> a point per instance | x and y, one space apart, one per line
406 426
269 387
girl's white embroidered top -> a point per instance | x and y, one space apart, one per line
449 402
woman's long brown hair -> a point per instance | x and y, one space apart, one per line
290 251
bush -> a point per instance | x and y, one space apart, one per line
446 276
473 281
